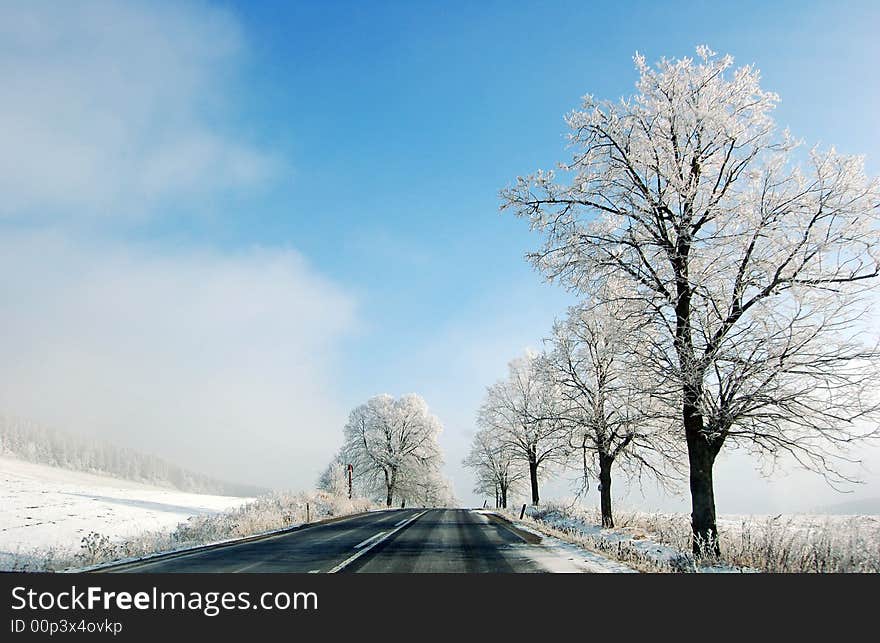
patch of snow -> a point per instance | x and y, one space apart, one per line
663 556
653 550
559 556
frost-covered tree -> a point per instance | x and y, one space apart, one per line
752 255
496 469
427 488
334 479
520 412
392 443
608 399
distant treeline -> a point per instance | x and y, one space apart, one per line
41 445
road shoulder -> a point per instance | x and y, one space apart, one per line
557 555
126 564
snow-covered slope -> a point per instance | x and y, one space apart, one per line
44 507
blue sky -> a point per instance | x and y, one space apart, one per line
361 146
401 121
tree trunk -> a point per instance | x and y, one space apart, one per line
701 453
701 458
504 496
533 477
605 490
389 484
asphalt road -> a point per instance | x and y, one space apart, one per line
404 540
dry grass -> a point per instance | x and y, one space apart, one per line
783 544
267 513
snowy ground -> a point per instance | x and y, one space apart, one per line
781 543
578 531
561 557
44 507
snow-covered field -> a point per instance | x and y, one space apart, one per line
43 507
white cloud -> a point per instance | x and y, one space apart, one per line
221 362
111 108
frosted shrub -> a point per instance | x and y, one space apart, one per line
95 547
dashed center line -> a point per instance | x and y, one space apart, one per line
364 547
373 537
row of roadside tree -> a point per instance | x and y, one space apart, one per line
726 278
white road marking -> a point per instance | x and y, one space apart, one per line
373 537
348 561
314 571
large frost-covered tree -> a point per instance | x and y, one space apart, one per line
392 444
752 255
520 411
607 399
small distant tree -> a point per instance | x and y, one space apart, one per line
427 488
392 443
608 400
519 412
752 258
496 469
334 479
